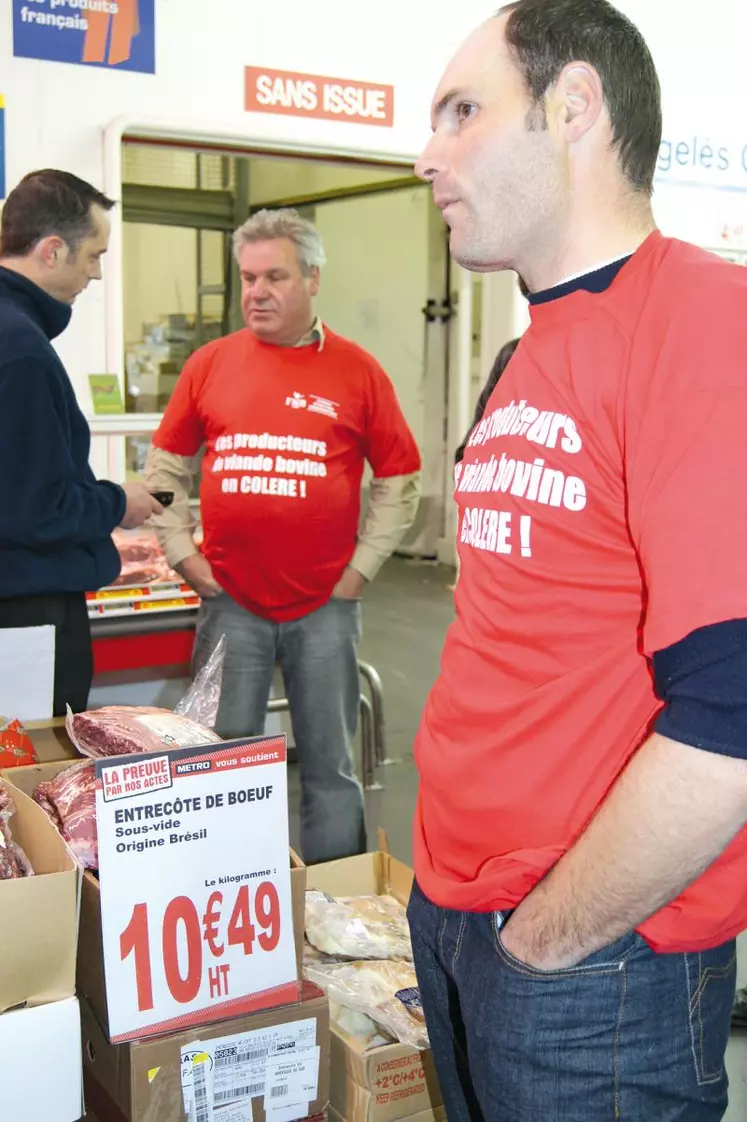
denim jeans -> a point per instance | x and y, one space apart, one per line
626 1035
318 659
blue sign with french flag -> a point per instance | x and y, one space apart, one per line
115 34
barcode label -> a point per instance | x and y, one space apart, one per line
279 1092
242 1058
250 1090
252 1057
202 1110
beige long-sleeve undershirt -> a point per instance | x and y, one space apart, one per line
392 506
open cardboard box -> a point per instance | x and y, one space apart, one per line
394 1081
39 913
50 740
90 973
141 1081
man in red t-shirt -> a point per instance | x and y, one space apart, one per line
288 413
580 841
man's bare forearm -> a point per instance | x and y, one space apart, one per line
670 815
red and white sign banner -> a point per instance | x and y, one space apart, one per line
194 866
312 95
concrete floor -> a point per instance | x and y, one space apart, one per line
406 613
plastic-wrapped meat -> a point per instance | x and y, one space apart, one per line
117 730
143 560
358 926
70 801
7 857
40 796
385 992
13 861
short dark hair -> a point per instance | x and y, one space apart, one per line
544 36
44 203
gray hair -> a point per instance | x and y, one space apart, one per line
268 225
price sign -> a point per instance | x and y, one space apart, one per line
194 867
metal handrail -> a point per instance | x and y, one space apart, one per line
368 745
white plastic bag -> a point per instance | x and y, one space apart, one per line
385 992
200 703
358 926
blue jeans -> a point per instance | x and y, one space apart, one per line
626 1035
318 659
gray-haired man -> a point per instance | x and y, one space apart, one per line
288 413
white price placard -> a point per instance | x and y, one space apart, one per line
194 867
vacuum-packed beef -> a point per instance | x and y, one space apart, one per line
13 861
143 560
70 801
117 730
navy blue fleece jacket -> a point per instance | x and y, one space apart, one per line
55 518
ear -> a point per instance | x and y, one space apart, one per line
315 280
50 251
578 101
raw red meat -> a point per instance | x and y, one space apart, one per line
70 801
117 730
143 560
13 861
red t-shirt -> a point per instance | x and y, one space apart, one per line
602 517
286 432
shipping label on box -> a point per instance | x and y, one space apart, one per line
279 1064
252 1061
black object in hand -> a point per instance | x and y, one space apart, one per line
165 498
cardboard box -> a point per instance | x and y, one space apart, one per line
41 1069
28 778
39 914
90 975
50 740
141 1081
395 1081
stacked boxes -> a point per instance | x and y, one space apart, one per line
394 1081
39 1014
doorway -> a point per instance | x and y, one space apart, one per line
385 285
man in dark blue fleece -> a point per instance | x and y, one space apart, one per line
56 519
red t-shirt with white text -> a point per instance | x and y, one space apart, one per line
602 517
287 431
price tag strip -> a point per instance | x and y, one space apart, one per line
221 1077
195 885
